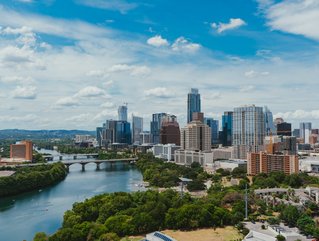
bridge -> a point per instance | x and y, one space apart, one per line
84 162
70 156
98 162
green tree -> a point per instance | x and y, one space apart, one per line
290 215
40 237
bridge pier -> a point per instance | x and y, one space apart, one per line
74 157
98 165
60 158
83 166
67 167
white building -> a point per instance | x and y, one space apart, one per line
305 131
185 157
145 138
166 151
223 153
230 164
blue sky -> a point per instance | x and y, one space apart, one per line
69 64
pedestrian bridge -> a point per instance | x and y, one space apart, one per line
70 156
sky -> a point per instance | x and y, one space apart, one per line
70 64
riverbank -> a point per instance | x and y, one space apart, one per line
26 179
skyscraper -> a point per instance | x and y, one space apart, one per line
284 129
170 132
214 126
122 113
305 131
269 122
248 130
227 126
137 128
193 104
156 124
196 136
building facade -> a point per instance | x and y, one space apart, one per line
269 122
248 130
193 104
305 131
284 129
156 125
137 128
166 151
170 132
226 136
214 125
22 150
122 113
263 162
145 138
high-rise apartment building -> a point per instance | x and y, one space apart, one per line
269 122
170 132
156 125
21 150
227 126
248 130
122 113
305 131
263 162
214 125
193 104
196 136
137 128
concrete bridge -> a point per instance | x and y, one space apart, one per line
70 156
84 162
98 162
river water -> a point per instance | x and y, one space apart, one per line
24 215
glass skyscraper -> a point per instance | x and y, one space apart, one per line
269 122
137 128
227 129
156 125
122 113
214 125
193 104
248 130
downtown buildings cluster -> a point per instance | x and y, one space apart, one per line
248 134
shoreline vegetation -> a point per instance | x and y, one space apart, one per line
26 179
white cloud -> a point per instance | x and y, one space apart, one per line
79 118
157 41
25 1
117 5
294 16
253 74
232 24
301 115
90 91
135 70
108 105
247 88
24 92
160 92
183 45
67 101
17 79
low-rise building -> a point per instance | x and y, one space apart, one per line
222 153
166 151
230 164
22 150
186 157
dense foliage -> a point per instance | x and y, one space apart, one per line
160 173
139 213
31 178
279 179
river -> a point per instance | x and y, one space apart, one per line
24 215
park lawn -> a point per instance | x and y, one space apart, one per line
209 234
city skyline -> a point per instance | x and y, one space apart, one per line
64 69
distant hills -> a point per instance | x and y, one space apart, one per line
42 134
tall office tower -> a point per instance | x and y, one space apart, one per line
305 131
296 133
214 125
156 124
196 136
284 129
193 104
248 130
22 150
99 135
227 126
123 132
137 128
170 132
122 113
269 122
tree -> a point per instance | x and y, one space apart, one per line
40 237
109 237
290 215
280 238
